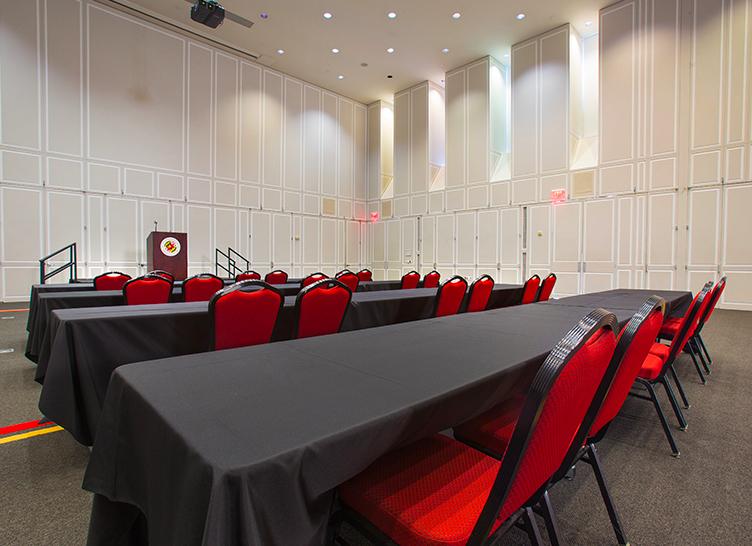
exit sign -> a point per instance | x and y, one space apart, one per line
558 196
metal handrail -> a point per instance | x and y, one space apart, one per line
71 264
240 258
229 268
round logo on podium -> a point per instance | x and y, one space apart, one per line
170 246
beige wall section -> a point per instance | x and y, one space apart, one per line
661 202
108 123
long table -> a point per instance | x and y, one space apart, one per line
82 347
246 446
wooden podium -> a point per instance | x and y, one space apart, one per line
168 251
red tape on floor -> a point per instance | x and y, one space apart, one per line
24 426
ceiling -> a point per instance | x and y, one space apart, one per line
362 32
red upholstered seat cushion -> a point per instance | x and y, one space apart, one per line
111 281
480 294
531 289
652 367
410 280
493 429
430 492
660 350
147 290
431 280
365 275
248 276
276 277
451 295
350 280
245 318
201 288
671 326
321 310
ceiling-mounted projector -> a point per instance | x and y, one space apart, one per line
212 14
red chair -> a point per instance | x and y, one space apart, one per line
547 287
365 275
491 432
321 308
440 491
113 280
201 287
244 314
148 289
247 276
410 280
660 362
480 293
276 277
164 274
312 278
431 280
530 290
696 346
450 296
349 279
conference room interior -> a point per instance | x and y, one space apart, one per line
331 272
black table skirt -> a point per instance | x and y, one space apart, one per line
247 446
82 347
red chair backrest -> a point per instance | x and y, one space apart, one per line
530 290
312 278
113 280
715 297
321 308
431 280
201 287
276 277
450 295
244 314
410 280
547 287
562 393
350 280
633 345
147 289
164 274
689 322
248 276
480 293
365 275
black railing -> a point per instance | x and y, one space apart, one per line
70 264
232 269
238 259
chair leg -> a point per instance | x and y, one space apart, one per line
552 527
532 527
662 417
613 515
698 352
674 403
697 365
680 388
704 348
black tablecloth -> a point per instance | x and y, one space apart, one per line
624 298
246 446
82 347
48 302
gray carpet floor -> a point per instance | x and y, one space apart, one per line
702 498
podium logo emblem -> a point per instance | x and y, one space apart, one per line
170 246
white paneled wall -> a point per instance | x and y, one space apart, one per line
109 123
647 126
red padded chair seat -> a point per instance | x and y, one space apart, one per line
493 429
671 326
430 492
660 350
652 367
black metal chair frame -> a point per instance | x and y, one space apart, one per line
662 379
299 300
472 289
544 380
242 285
440 290
147 276
409 273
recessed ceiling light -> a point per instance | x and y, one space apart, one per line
390 50
392 14
520 16
327 15
264 15
445 50
281 51
340 77
335 50
588 23
456 15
